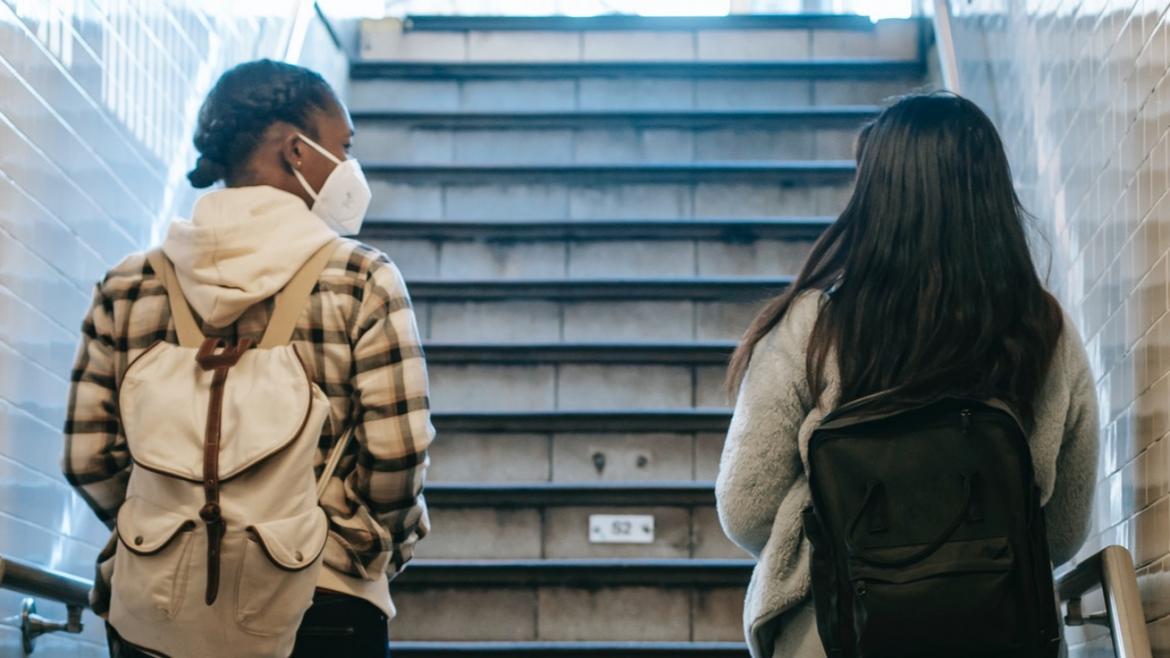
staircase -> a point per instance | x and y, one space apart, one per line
588 213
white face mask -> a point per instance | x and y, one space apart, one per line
345 196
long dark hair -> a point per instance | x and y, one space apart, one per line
932 285
244 102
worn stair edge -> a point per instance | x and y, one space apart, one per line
682 572
732 230
578 174
681 421
612 22
705 289
686 353
566 494
569 649
802 116
820 69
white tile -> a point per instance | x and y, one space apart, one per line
635 46
524 46
730 45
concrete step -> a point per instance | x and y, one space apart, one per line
596 321
705 289
560 494
513 196
568 459
828 68
520 525
592 259
575 386
568 649
840 116
739 231
649 612
626 22
611 94
590 146
690 353
792 172
576 573
591 421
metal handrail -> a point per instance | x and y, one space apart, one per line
35 580
1112 571
945 42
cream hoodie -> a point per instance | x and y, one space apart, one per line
241 246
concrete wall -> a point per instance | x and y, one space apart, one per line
1080 93
97 99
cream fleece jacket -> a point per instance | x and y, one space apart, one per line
762 485
241 246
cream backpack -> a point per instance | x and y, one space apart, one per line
221 535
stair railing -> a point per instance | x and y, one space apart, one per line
38 581
1112 571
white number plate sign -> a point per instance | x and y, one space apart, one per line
621 529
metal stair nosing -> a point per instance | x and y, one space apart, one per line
612 22
804 117
705 289
688 353
570 494
731 230
821 69
539 649
682 421
589 572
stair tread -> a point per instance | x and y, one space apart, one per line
564 494
577 572
568 649
602 229
576 174
826 68
466 23
643 352
523 118
704 288
588 421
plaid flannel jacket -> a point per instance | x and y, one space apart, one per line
358 338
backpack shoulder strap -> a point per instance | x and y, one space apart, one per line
292 299
185 325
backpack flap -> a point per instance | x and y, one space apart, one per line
268 399
293 543
145 528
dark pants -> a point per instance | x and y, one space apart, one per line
335 625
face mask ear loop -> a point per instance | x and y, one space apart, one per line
305 184
320 149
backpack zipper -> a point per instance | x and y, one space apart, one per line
965 420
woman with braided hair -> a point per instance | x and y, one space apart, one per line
277 137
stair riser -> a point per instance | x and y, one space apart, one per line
564 200
379 141
486 387
563 532
569 614
612 94
583 321
575 259
569 457
889 39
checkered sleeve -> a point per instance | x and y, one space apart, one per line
393 426
96 460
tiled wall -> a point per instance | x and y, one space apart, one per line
1080 92
96 103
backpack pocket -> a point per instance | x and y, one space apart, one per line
963 595
278 573
152 564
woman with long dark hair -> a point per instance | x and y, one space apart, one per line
924 285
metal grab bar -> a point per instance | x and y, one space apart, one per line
1112 570
29 578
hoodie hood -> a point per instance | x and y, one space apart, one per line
241 246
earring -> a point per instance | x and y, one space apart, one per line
298 163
